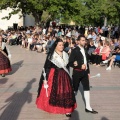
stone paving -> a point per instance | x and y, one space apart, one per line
18 91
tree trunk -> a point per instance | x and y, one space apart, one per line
37 16
105 21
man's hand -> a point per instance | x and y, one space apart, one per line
75 63
89 76
83 67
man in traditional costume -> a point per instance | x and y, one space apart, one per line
79 62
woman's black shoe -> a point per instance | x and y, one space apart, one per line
93 111
3 75
68 115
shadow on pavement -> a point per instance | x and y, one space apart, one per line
75 116
3 80
104 118
15 67
10 86
15 103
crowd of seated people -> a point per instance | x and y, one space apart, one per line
114 58
40 39
106 52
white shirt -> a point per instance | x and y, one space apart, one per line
96 43
89 36
44 31
30 40
68 34
84 56
101 47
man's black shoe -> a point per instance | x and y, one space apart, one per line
93 111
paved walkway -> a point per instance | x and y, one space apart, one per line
18 91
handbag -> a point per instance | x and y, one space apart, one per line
97 50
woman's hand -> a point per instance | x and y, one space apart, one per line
45 82
9 56
94 53
75 63
89 76
69 51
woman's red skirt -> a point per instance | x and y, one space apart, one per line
55 103
5 66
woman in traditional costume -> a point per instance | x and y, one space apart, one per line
55 93
5 66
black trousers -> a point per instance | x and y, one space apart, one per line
12 41
92 58
80 76
97 59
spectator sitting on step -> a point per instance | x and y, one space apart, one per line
96 42
103 55
112 59
50 43
72 46
29 38
12 38
116 42
91 47
94 36
24 40
34 41
116 51
39 44
112 47
67 44
45 41
96 52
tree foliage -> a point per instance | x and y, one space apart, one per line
80 11
99 9
64 9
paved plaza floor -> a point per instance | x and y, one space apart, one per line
18 91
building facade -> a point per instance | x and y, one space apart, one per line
27 20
